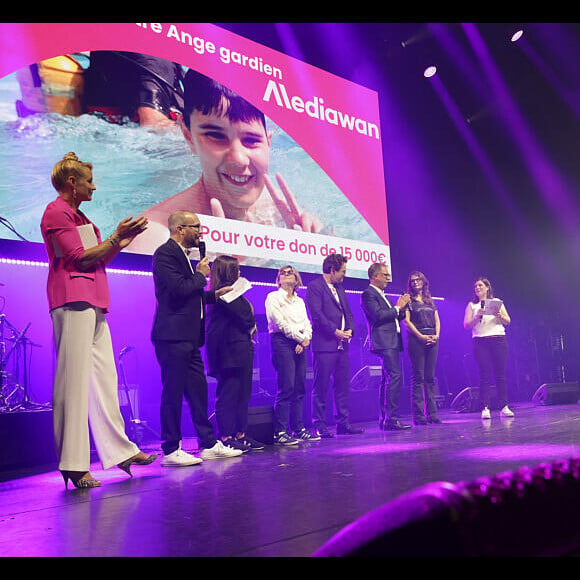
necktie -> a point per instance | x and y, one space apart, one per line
337 298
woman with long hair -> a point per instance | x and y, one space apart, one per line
422 320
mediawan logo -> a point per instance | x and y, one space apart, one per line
315 108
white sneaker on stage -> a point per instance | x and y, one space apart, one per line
506 412
219 451
180 458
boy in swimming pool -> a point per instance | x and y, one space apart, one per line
230 137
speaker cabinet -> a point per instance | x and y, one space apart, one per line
557 394
468 400
261 423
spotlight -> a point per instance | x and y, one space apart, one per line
517 35
430 71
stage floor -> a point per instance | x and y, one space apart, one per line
278 502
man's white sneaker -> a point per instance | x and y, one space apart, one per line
180 458
506 412
219 451
485 414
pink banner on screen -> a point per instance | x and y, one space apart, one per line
335 121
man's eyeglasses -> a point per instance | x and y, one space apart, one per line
194 226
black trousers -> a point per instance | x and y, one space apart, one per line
423 359
233 393
390 388
490 353
291 372
182 375
327 365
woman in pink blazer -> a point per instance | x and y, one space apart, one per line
85 382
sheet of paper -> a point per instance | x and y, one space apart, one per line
240 286
492 306
88 236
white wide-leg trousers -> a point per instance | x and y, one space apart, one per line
85 390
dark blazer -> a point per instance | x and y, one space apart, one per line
326 314
381 323
230 328
180 296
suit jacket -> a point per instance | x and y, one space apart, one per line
381 324
230 327
180 295
326 314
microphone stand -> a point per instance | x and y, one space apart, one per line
20 342
136 425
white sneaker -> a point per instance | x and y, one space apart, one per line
485 414
180 458
219 451
506 412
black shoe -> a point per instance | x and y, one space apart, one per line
396 425
251 443
434 420
324 433
349 430
420 421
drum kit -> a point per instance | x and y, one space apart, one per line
15 353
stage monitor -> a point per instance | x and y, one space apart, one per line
289 132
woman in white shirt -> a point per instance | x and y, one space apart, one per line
490 347
290 333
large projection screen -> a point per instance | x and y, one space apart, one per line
325 142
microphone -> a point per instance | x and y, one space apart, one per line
482 304
126 349
408 303
201 246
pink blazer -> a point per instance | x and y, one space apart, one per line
66 282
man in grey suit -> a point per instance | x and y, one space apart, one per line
383 321
178 334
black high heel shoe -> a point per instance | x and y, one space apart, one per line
139 459
80 479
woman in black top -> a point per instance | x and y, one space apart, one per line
231 328
423 322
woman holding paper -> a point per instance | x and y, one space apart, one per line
231 328
85 382
487 318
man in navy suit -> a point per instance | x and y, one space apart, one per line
332 328
383 321
178 333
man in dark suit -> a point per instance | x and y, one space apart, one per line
178 333
383 321
332 328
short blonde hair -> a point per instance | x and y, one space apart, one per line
67 166
296 276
